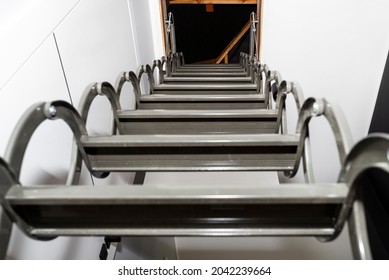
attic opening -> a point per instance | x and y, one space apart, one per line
212 31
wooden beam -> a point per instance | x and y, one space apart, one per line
209 8
233 42
212 1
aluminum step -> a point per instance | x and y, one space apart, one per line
231 152
226 80
208 70
206 87
198 121
202 102
209 74
277 210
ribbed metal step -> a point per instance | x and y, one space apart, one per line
207 87
211 66
188 80
209 74
206 69
120 153
299 210
198 121
198 102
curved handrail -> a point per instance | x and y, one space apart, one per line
357 226
370 153
133 79
271 81
89 95
30 121
87 98
146 69
253 70
182 58
294 89
284 89
158 64
173 60
166 61
313 107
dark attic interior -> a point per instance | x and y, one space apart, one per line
203 32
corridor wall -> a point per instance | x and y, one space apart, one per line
53 50
333 49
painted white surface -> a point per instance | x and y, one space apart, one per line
146 18
336 50
24 25
47 158
95 44
148 32
333 49
94 41
40 79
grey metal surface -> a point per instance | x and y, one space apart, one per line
182 121
191 152
191 194
369 153
198 102
226 80
204 98
181 58
203 91
207 86
198 121
211 74
326 214
253 34
187 101
7 179
133 210
210 68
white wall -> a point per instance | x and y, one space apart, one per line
334 49
147 19
24 25
96 41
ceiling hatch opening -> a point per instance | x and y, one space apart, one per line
212 33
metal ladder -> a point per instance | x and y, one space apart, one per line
318 210
199 118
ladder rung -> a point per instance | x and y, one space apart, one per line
207 114
198 121
211 66
151 210
208 87
228 152
202 102
207 98
200 74
209 70
226 80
